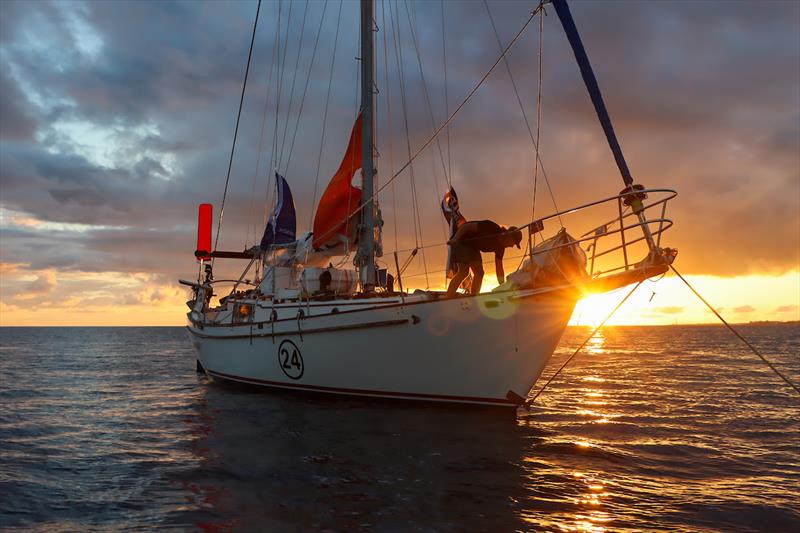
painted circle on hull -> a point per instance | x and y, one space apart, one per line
290 359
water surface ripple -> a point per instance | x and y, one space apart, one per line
662 428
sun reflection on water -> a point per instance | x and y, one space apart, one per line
591 493
593 396
590 517
596 345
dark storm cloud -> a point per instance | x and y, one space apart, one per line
704 97
101 250
68 188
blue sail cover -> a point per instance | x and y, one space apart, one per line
282 225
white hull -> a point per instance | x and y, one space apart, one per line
489 349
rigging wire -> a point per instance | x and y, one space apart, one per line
464 101
282 72
305 89
442 271
414 199
731 328
251 216
538 163
294 80
236 130
408 163
394 21
275 160
389 117
449 173
453 114
538 131
752 348
412 19
534 139
325 116
563 366
277 107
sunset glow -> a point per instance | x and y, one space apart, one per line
49 297
114 130
669 301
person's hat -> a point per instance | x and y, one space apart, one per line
517 235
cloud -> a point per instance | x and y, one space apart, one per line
786 308
16 123
19 283
669 310
34 290
44 283
744 309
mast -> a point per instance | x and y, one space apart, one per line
366 251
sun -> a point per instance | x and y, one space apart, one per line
595 307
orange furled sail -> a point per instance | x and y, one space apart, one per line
336 220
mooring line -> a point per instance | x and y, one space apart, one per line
778 372
563 366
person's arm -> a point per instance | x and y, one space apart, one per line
498 266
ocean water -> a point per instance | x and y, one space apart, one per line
652 428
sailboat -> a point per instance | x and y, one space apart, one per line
303 325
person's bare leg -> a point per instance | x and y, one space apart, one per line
463 272
477 277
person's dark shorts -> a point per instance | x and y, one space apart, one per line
463 253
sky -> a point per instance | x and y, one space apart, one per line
117 119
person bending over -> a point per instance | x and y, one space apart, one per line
469 241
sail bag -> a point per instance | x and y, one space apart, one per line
556 261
